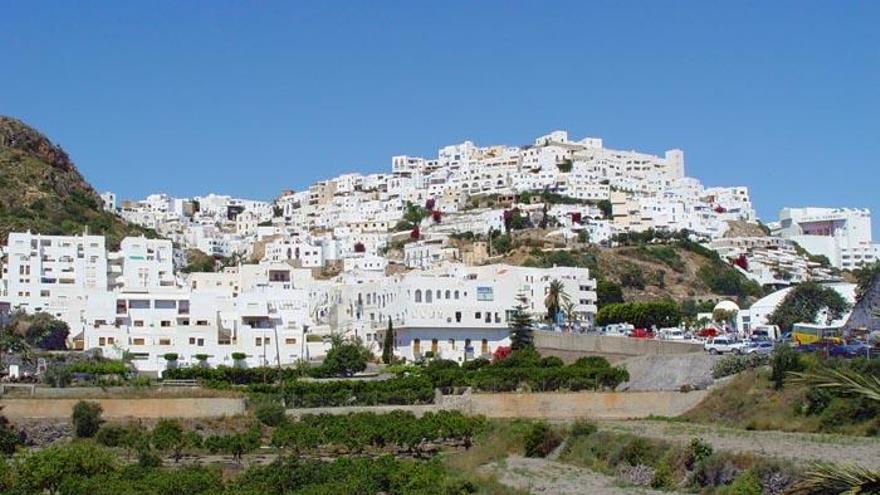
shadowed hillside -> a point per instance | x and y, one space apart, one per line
42 191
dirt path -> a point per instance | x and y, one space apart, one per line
794 446
544 476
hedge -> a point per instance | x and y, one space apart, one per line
357 431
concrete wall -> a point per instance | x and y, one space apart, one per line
125 408
569 347
552 406
573 405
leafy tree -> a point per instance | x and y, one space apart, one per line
388 344
803 303
608 292
663 313
521 325
555 299
168 436
47 469
40 330
86 418
345 358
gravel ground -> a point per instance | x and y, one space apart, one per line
544 476
839 449
669 372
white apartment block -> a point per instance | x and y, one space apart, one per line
769 260
132 301
843 235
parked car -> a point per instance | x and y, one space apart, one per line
723 345
673 333
758 347
851 350
641 333
618 330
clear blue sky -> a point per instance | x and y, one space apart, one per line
248 98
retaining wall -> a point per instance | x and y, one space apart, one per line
573 405
569 347
550 405
125 408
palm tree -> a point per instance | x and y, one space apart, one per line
570 309
829 478
556 296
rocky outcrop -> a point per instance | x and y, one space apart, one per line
862 316
42 191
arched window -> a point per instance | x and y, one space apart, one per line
429 296
456 294
419 295
448 294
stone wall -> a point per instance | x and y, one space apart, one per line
552 405
573 405
569 347
125 408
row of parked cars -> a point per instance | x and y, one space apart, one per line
731 345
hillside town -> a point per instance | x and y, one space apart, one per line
357 254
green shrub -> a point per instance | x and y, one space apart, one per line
86 418
58 376
540 440
270 413
733 364
698 451
747 483
784 360
583 428
551 362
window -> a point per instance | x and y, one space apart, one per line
456 294
165 324
289 341
192 341
201 323
111 341
258 341
429 296
137 341
102 341
448 294
478 315
458 316
418 295
200 342
164 341
138 323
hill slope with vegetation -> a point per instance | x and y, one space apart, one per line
42 191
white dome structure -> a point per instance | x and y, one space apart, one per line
729 306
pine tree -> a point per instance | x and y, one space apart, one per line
521 325
388 346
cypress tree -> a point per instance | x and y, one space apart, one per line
388 346
521 325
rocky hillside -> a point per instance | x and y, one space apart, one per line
678 270
41 190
